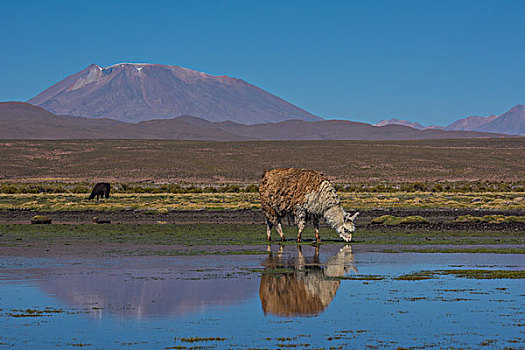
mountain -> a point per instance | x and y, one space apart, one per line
435 127
137 92
395 121
470 123
20 120
511 122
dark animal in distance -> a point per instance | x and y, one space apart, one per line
100 190
303 195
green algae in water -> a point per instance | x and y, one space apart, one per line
492 250
485 274
466 273
358 278
201 339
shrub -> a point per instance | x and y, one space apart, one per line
80 189
9 189
252 188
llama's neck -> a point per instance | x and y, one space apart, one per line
335 216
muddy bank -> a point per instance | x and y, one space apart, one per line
439 219
139 216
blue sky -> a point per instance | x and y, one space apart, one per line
426 61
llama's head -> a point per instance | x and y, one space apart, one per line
347 228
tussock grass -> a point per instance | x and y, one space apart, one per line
491 219
395 220
164 202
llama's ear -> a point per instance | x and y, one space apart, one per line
352 218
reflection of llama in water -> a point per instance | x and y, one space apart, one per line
305 288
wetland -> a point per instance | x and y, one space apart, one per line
283 296
209 285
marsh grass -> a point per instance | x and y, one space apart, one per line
471 250
395 220
416 276
466 273
230 235
357 278
200 339
491 219
165 202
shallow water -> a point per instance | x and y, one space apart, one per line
289 298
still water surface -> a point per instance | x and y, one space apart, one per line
289 299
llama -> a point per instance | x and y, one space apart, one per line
303 195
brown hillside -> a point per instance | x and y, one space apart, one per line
19 120
24 121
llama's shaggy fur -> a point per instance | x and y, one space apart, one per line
303 195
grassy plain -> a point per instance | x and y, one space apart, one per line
244 162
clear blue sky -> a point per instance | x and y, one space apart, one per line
426 61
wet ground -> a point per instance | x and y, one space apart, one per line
333 296
438 217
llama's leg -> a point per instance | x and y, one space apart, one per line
316 227
300 221
280 230
300 226
269 230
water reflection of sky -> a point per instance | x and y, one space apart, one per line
147 302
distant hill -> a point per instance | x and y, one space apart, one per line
395 121
511 122
470 123
20 120
137 92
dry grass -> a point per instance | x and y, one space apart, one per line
244 162
163 202
491 219
428 200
